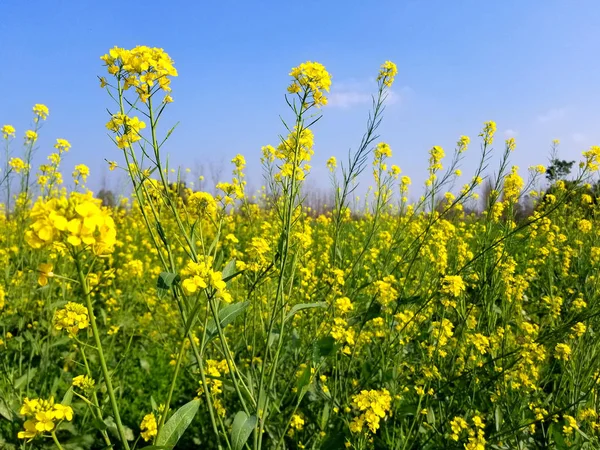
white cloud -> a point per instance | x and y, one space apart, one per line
347 99
347 94
510 133
552 115
579 138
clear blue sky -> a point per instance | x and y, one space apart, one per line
532 66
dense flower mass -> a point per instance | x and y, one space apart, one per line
451 315
142 68
78 220
373 406
42 416
72 318
310 79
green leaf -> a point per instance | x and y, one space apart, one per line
172 431
242 429
229 271
498 417
111 426
559 440
68 397
166 280
226 315
99 424
5 410
303 381
19 382
325 416
324 347
302 306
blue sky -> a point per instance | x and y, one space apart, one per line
531 66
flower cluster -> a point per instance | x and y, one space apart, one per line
148 427
387 72
83 382
126 128
215 371
7 131
142 68
42 416
513 184
293 154
201 204
200 275
78 220
310 79
40 111
373 406
73 317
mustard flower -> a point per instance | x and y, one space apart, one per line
489 129
40 111
30 137
73 317
312 79
562 351
387 72
8 131
149 427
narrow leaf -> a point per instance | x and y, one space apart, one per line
166 280
242 429
226 316
302 306
172 431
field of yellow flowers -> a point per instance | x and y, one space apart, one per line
183 319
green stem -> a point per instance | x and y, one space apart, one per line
98 412
55 439
109 387
163 415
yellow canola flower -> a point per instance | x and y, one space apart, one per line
73 317
387 73
310 79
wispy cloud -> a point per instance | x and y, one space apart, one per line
510 133
552 115
348 94
579 138
347 99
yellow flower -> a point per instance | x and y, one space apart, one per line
332 163
297 422
149 427
44 421
453 285
489 129
8 131
41 111
373 405
73 317
30 136
44 272
62 412
562 351
311 78
387 72
62 145
83 382
18 165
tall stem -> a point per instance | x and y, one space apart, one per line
109 387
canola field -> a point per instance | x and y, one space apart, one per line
229 320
